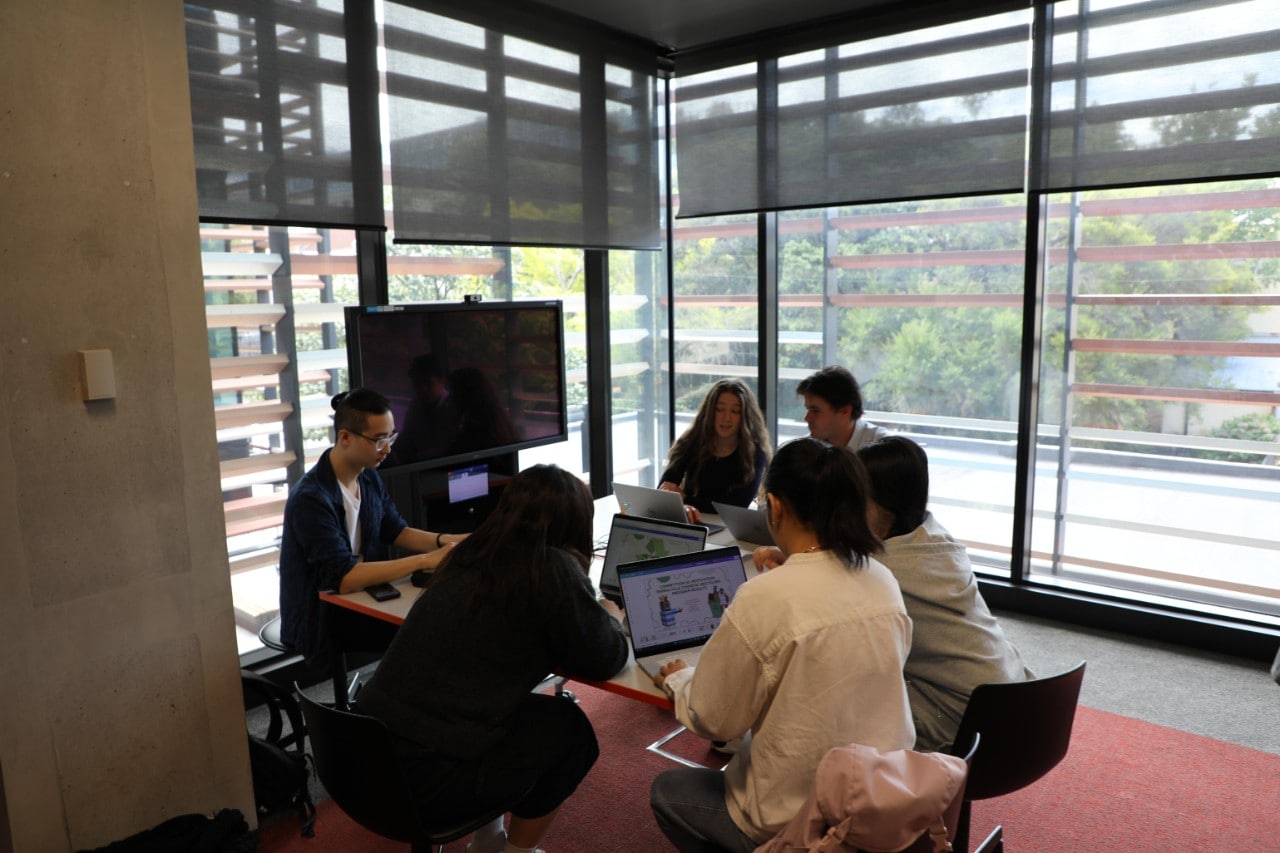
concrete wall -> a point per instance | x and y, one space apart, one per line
121 701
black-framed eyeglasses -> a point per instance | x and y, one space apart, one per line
379 444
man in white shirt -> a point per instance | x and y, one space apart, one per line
833 409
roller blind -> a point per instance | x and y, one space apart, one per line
935 112
1160 91
270 113
509 136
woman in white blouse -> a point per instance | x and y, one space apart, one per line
808 656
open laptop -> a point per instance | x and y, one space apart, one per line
633 538
674 603
746 525
654 503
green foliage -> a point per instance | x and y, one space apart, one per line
1256 426
964 361
444 287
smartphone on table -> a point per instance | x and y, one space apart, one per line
382 591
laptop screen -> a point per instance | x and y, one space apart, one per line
466 484
676 602
633 538
650 503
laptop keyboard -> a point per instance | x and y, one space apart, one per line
689 656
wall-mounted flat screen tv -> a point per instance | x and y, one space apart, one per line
466 381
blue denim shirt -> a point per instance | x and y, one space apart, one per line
315 552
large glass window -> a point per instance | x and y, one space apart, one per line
922 301
276 345
715 305
640 373
1161 385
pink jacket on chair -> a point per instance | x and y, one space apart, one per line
868 800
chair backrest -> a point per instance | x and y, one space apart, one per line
356 762
1025 728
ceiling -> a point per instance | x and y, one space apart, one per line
683 24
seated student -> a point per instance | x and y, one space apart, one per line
338 521
833 409
722 455
956 643
508 606
808 656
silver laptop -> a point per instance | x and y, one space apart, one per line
746 525
633 538
654 503
675 603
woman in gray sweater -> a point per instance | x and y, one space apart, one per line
956 643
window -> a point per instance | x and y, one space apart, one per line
277 355
715 300
1160 390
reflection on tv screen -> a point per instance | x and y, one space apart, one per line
464 381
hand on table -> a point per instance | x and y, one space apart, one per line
666 669
431 560
612 609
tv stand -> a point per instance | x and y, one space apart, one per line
423 495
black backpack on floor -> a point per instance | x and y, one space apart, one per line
225 832
279 760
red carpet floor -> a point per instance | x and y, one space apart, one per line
1126 786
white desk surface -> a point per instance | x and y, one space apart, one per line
631 681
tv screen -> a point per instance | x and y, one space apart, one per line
465 381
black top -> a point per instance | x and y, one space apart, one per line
719 481
455 673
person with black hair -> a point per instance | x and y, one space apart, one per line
509 605
956 643
483 420
808 656
431 421
338 521
722 455
833 409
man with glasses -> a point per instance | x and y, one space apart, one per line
337 524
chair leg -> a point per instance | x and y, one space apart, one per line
994 842
961 842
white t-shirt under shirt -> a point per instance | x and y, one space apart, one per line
351 507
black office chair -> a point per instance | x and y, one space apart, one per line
356 762
344 683
1026 730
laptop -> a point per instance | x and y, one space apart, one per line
746 525
655 503
675 603
633 538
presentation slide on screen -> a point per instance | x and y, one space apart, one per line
664 606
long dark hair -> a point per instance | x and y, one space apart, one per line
825 487
898 473
543 507
695 447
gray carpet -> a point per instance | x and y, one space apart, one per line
1208 694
